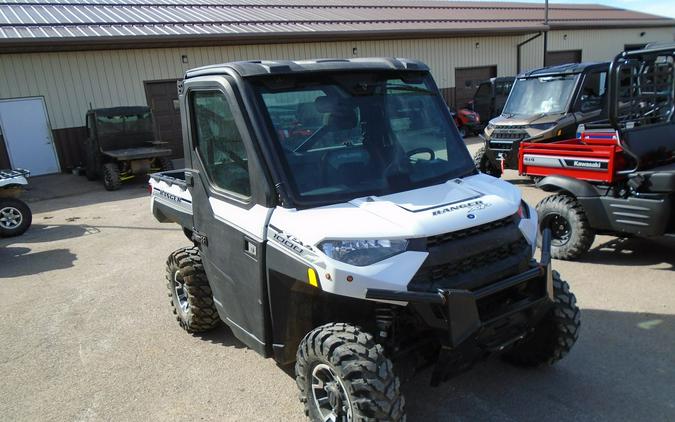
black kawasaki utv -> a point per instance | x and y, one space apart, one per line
617 178
545 105
120 145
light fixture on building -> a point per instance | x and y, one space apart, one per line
477 45
564 36
184 58
355 51
642 34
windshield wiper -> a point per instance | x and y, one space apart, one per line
409 89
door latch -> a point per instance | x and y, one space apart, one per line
199 238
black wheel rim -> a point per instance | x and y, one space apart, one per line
330 395
561 230
181 292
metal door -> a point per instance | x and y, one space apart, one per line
162 97
27 134
226 215
467 80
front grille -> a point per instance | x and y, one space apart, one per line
471 231
469 263
473 257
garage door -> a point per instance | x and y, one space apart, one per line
162 97
467 80
554 58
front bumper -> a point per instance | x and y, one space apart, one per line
492 317
503 150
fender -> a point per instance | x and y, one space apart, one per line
578 188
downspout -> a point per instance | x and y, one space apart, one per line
546 33
518 51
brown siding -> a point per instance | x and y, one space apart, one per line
4 156
69 146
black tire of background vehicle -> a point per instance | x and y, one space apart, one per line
361 366
90 164
484 165
165 164
201 314
554 336
26 217
111 176
581 234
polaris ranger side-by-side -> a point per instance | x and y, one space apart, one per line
120 145
544 105
15 215
366 241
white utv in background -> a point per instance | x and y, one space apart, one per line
338 222
15 215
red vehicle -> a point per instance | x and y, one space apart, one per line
467 121
616 177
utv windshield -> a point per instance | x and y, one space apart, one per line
343 136
124 124
544 95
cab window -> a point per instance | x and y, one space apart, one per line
483 90
592 96
218 142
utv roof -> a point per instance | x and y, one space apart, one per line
120 111
563 69
277 67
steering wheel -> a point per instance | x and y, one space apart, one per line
432 154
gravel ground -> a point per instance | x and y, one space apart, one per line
86 334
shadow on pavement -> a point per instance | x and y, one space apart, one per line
634 251
93 195
622 368
19 261
221 336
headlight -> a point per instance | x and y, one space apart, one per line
543 126
523 210
362 252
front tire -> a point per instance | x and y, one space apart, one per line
571 234
15 217
189 293
111 176
343 375
484 165
555 335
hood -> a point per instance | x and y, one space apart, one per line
455 205
525 120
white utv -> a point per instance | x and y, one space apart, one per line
338 222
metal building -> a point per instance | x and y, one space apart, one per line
59 57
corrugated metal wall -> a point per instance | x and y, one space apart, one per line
71 81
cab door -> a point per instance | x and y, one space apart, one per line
229 211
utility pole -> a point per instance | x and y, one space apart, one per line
545 32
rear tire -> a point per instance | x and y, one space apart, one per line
554 336
572 235
165 163
484 165
111 176
340 369
15 217
189 293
